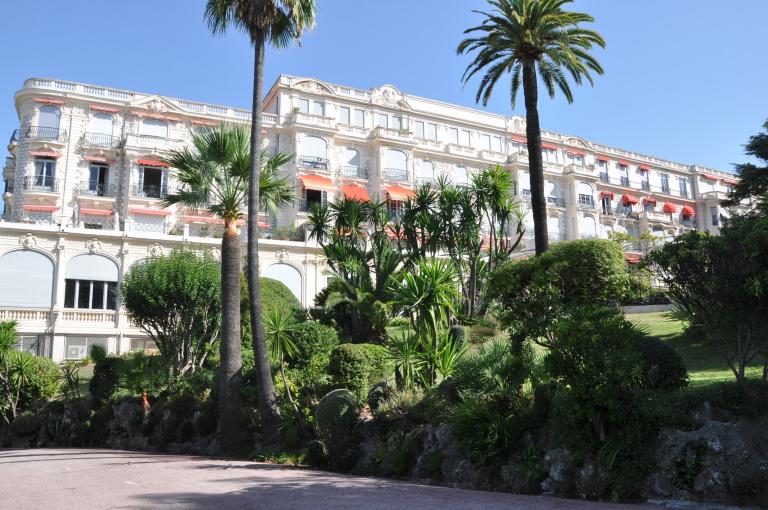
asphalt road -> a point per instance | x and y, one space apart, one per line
88 479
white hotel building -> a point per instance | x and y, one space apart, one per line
84 184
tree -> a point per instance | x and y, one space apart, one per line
720 283
213 174
176 300
522 37
278 22
753 179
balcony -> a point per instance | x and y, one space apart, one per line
646 186
427 180
45 133
95 189
556 201
604 178
149 191
429 143
316 121
394 135
497 157
152 142
41 184
354 172
461 150
394 174
625 182
684 193
656 217
313 162
665 188
100 140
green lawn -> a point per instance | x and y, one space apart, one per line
704 365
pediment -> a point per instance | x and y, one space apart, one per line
388 95
312 85
156 104
575 141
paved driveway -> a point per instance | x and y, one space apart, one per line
86 479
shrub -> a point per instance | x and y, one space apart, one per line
106 378
355 366
458 334
337 415
25 425
532 294
316 453
662 365
380 392
43 382
314 344
479 333
98 353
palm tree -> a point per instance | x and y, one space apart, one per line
279 22
213 174
522 37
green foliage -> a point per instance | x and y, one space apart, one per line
314 343
316 453
492 389
753 179
105 379
98 353
274 293
71 379
531 295
720 283
379 392
662 365
337 415
176 300
356 366
138 373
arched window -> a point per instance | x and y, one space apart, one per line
585 198
588 227
395 165
461 176
100 130
426 171
27 278
351 158
550 191
314 153
91 283
288 275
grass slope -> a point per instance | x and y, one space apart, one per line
704 365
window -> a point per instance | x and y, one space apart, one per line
152 182
45 169
664 183
97 179
586 199
419 128
574 159
485 142
624 174
516 146
431 131
464 138
453 136
394 208
715 216
90 294
318 108
549 155
397 123
461 176
683 186
602 165
359 118
154 127
606 205
47 123
100 130
27 278
395 165
729 188
496 144
313 198
644 181
80 347
303 105
344 114
314 152
383 120
426 172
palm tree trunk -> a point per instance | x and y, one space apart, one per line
230 371
535 160
268 411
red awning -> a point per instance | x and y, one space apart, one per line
40 208
632 258
45 154
688 211
105 109
518 138
354 192
629 200
669 208
647 201
206 122
98 159
604 158
150 212
709 177
317 182
644 168
96 212
609 194
732 182
624 162
44 100
152 162
550 146
577 152
398 193
159 116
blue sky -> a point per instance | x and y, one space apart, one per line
684 79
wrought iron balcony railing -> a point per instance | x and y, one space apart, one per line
100 140
394 174
354 172
646 186
604 177
45 133
95 189
313 162
43 183
556 201
625 182
149 191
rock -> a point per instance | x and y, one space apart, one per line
560 481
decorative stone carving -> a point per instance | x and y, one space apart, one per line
93 245
313 86
155 250
156 105
28 241
282 255
518 125
389 96
577 142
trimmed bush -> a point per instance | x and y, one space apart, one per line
458 334
337 415
106 378
380 368
43 382
357 366
662 365
316 453
313 341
